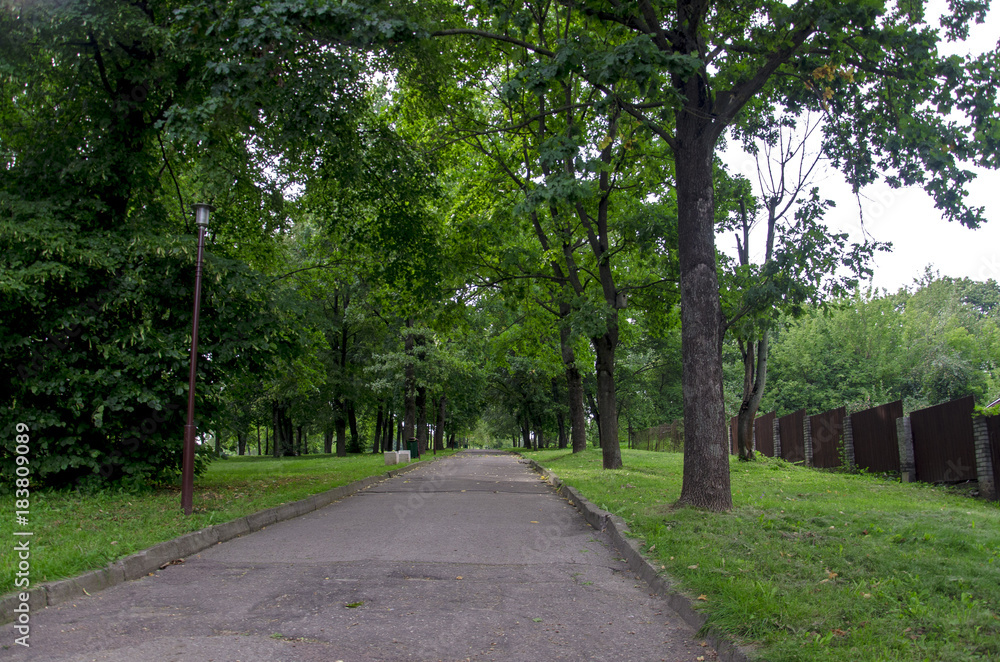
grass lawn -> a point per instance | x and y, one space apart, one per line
75 533
813 565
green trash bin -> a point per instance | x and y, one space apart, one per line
414 453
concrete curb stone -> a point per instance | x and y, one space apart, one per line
149 560
728 650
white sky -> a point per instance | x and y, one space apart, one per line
907 217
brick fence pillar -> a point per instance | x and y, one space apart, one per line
776 433
984 459
849 443
808 439
907 464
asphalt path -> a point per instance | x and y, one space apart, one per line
471 557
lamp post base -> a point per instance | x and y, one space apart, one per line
187 470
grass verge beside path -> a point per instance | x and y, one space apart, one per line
813 565
75 533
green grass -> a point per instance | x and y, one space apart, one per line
813 565
76 533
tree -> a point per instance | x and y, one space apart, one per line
114 118
802 262
700 68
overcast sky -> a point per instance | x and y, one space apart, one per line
907 217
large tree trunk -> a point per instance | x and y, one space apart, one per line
241 443
574 386
439 426
421 402
706 459
276 448
340 424
410 389
352 418
390 424
607 404
377 443
328 440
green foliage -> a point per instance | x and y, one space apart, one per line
929 344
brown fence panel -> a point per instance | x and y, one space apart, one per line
793 443
763 433
827 438
944 449
876 444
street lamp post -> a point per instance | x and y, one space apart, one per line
201 212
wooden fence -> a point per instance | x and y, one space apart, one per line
763 434
940 444
792 436
943 445
873 431
826 435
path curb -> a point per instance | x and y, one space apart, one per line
152 559
602 520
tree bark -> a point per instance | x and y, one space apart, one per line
754 378
595 412
607 404
421 402
377 444
352 417
340 425
706 481
410 388
439 426
328 440
574 386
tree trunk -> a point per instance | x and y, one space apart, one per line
451 441
421 402
328 440
218 442
706 482
389 429
574 386
352 418
241 443
377 443
607 405
276 446
754 380
410 389
258 441
439 426
340 424
526 435
267 441
595 412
